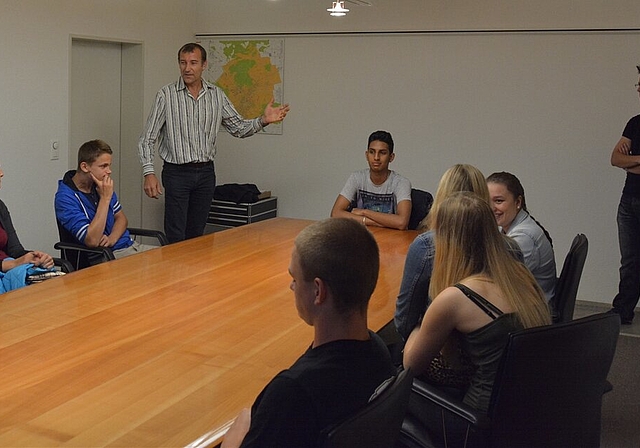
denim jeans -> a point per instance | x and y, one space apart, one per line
629 240
188 195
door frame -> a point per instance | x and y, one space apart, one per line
129 189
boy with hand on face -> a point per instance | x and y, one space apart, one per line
87 206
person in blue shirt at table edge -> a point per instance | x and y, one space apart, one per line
12 253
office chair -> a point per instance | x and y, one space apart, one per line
421 202
547 393
81 256
564 299
62 265
378 424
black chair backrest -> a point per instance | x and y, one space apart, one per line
421 202
63 265
378 424
79 259
564 300
548 389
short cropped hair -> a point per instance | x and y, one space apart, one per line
190 48
382 136
91 150
345 255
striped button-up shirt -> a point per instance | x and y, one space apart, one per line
186 127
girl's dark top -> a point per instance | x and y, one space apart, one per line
10 245
484 347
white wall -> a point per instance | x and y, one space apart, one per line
34 92
547 106
270 16
409 85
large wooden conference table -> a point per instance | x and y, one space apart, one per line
162 348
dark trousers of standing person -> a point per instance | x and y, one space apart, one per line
629 238
188 190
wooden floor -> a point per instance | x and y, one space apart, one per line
162 348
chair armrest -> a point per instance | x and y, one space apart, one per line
106 252
436 418
433 394
64 265
157 234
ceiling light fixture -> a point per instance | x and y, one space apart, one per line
338 9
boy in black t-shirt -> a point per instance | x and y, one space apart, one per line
334 269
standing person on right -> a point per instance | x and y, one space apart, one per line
626 155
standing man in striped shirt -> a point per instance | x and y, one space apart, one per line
185 119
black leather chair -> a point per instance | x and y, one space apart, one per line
547 393
378 424
421 202
62 265
564 300
81 256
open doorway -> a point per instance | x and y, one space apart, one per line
106 102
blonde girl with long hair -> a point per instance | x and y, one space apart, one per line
481 294
413 297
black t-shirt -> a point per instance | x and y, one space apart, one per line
632 132
322 388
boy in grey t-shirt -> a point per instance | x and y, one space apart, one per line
376 196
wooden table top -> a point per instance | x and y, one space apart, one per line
163 348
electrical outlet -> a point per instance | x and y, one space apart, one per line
55 150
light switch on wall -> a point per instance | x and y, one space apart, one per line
55 150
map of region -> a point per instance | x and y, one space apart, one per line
250 72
